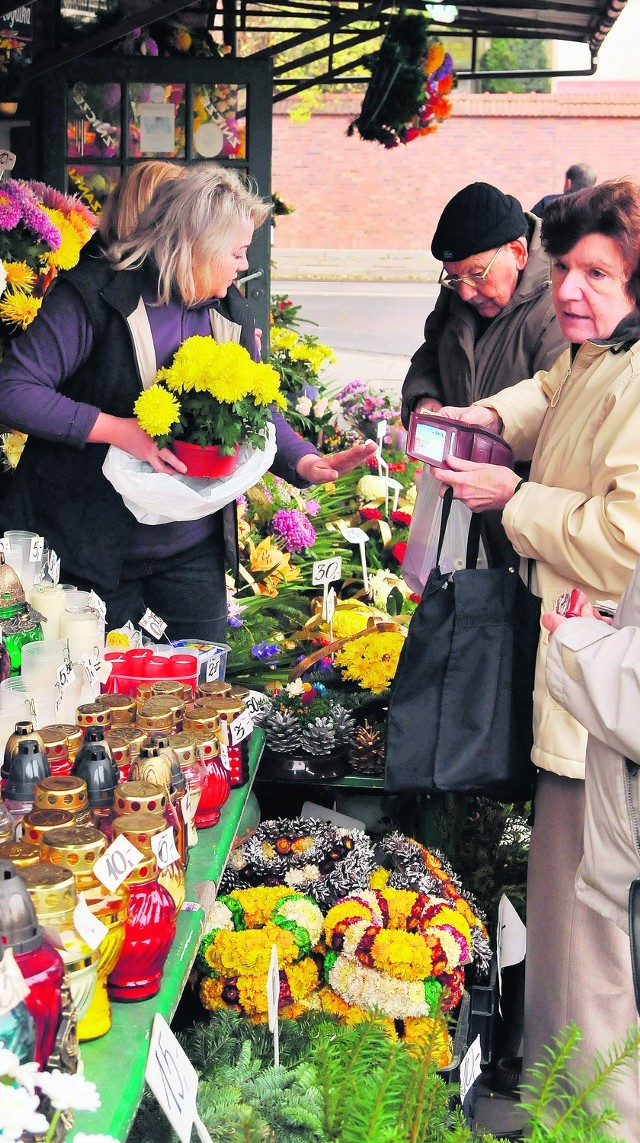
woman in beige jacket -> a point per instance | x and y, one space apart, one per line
578 518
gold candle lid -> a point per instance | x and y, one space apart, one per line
21 853
213 690
202 718
207 744
227 706
55 742
120 748
139 828
145 870
184 746
61 792
73 735
144 691
135 797
132 736
92 714
52 888
167 687
39 822
77 848
242 693
121 707
155 714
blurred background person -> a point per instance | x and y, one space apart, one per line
576 177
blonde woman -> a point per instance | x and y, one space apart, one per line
71 380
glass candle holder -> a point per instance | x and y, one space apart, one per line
40 663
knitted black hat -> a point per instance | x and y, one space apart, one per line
477 218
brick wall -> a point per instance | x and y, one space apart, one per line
351 194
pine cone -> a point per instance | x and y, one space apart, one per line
367 750
318 737
282 732
344 725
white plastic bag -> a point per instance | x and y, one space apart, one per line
422 545
160 498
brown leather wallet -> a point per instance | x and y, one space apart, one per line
432 439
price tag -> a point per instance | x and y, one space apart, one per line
358 536
397 489
257 703
172 1079
326 571
470 1068
117 862
66 675
381 432
13 986
224 755
153 624
7 161
53 566
91 667
36 550
187 806
90 927
273 997
97 604
241 727
53 936
4 546
164 846
134 637
212 671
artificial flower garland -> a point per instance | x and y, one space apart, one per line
314 857
236 953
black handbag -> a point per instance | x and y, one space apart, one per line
461 706
634 937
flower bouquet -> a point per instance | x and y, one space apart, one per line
212 405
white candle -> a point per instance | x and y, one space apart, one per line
81 627
49 600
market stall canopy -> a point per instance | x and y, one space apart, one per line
324 27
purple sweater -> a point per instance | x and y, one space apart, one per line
57 344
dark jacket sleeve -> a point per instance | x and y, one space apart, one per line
423 378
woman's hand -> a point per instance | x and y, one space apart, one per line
320 469
472 415
125 433
552 619
480 486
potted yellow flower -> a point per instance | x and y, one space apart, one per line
208 402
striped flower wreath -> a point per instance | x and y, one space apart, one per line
234 956
400 954
310 856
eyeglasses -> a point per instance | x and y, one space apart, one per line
467 279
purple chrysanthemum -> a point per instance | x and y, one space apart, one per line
10 212
34 218
312 507
294 528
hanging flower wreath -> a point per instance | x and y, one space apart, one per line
235 954
400 954
410 80
313 857
424 870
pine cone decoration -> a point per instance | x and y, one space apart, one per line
318 737
344 725
367 750
282 732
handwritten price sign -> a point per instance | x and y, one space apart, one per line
326 571
174 1081
116 862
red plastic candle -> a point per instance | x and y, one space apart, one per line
215 792
149 932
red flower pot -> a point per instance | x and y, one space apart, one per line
205 460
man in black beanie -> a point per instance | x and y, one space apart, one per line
493 323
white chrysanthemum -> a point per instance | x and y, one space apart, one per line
19 1113
3 279
25 1074
69 1093
303 406
221 917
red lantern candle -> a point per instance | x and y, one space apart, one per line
149 932
216 789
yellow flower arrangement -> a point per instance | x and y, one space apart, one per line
221 397
68 252
19 309
372 660
20 276
236 954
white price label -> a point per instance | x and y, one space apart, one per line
91 667
153 624
117 862
381 431
89 927
36 550
13 986
470 1068
66 675
172 1079
134 637
7 161
53 936
224 755
97 604
354 535
273 997
4 545
326 571
257 703
241 727
212 671
330 605
164 846
187 806
53 566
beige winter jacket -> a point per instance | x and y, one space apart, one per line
578 516
594 671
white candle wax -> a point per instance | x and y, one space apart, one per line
49 600
81 628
